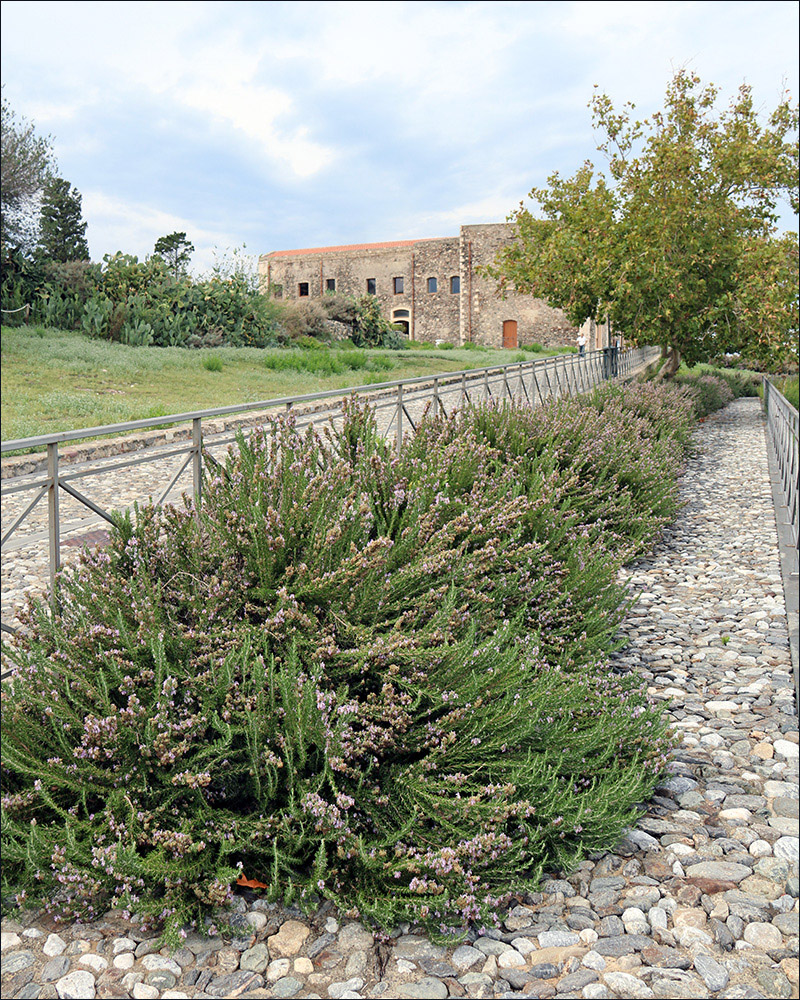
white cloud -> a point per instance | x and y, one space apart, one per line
339 115
114 225
175 53
491 208
253 111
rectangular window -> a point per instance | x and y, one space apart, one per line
370 286
398 286
455 284
432 284
330 284
302 289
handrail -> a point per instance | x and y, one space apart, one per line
784 461
782 434
181 418
572 374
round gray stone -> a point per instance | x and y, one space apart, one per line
55 969
426 989
286 986
725 871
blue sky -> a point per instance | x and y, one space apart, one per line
283 125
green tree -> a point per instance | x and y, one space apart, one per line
26 163
679 244
62 231
176 251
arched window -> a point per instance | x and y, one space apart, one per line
455 284
432 284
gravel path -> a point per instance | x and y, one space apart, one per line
699 900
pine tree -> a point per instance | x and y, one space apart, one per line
62 234
176 251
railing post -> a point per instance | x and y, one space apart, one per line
53 524
197 461
486 392
610 362
399 426
463 389
436 398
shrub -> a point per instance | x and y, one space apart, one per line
710 393
741 383
394 340
125 298
325 362
212 363
310 343
789 388
374 678
303 318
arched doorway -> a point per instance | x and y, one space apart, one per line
510 334
400 318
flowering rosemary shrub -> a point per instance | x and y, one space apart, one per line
372 677
709 392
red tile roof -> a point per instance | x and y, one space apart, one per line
352 246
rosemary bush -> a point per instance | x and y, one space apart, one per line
709 392
371 677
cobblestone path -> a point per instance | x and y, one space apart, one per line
699 900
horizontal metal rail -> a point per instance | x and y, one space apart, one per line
782 435
400 405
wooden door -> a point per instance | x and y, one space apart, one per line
510 333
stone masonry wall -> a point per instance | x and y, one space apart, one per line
483 309
474 312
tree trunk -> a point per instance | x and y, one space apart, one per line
671 365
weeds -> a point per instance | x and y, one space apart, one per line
212 363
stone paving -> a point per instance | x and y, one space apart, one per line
699 900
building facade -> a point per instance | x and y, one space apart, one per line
432 288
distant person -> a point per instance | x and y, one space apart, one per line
581 345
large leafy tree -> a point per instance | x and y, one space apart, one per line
176 251
62 231
26 164
678 244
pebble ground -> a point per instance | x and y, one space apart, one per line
699 900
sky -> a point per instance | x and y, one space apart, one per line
274 126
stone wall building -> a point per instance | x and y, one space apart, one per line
429 287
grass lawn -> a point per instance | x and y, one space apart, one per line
55 380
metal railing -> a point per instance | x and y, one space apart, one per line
398 405
782 435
